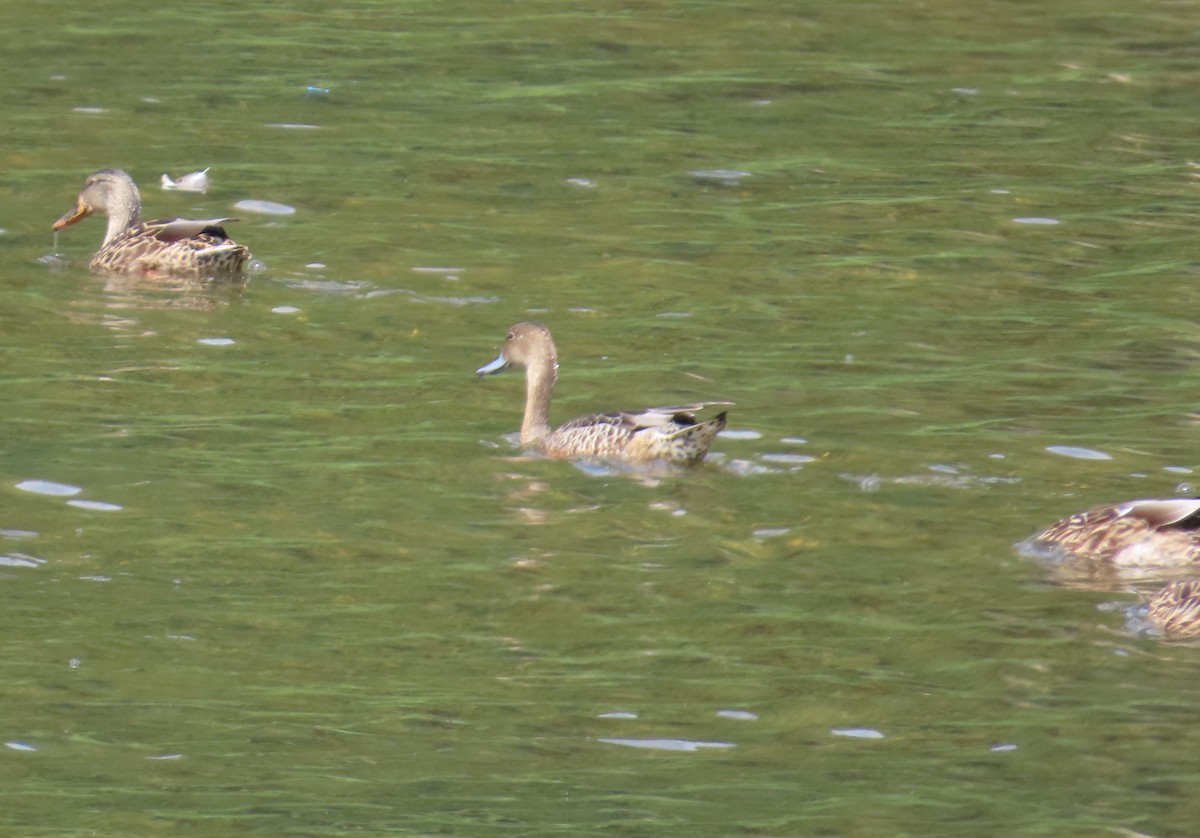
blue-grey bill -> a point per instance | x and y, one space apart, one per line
495 366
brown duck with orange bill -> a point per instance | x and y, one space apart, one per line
164 247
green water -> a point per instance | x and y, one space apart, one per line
334 600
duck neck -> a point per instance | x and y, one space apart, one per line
124 211
539 385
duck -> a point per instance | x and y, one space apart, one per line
667 434
1174 610
1134 535
164 247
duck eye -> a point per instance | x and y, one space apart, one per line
511 336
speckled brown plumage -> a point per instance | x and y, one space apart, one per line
657 433
1175 610
670 434
1134 534
164 247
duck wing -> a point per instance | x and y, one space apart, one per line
1176 513
178 229
679 416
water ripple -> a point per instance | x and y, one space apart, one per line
689 745
21 560
95 505
264 207
857 732
49 487
1078 453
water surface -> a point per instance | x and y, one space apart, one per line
314 590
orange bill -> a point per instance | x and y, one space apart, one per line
81 210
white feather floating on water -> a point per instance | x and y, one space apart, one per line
191 182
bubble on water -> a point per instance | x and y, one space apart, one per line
21 560
95 505
53 261
1078 453
739 715
720 175
870 483
49 487
264 207
857 732
740 433
787 459
1036 220
744 468
688 745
